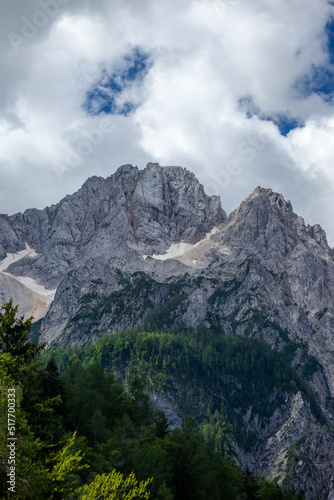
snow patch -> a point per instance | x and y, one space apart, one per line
178 249
34 286
174 251
14 257
29 283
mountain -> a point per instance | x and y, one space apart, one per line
130 213
150 250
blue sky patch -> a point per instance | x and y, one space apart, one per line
107 95
320 79
284 122
330 37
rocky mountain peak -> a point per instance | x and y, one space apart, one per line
267 200
266 222
276 200
132 212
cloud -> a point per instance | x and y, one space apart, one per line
239 92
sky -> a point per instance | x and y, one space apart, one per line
240 92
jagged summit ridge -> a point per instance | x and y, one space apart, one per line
131 212
277 200
267 222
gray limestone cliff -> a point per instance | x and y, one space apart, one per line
129 213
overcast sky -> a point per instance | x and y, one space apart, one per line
238 91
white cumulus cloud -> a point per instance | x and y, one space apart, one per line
221 73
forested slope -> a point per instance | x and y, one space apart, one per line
82 434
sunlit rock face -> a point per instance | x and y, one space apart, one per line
123 216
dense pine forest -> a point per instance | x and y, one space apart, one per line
86 428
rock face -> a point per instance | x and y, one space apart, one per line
122 247
130 213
